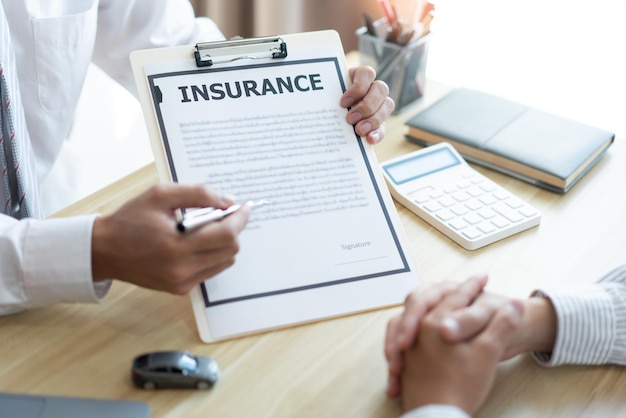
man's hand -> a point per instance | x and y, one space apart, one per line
537 332
458 374
403 329
370 103
140 243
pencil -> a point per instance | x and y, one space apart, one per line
388 11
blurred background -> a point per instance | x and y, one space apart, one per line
270 17
567 56
564 56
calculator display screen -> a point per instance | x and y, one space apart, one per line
421 165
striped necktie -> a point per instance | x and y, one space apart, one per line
19 188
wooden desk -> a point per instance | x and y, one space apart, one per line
333 368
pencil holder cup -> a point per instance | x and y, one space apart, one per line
402 67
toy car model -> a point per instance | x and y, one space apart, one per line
174 369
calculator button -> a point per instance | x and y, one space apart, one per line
486 227
500 222
421 201
459 210
487 199
472 233
510 214
472 218
432 206
445 215
489 187
475 191
473 205
422 194
469 174
436 194
464 185
446 201
461 196
458 224
514 203
528 211
501 195
487 213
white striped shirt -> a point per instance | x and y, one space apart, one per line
591 322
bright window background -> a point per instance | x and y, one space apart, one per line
567 57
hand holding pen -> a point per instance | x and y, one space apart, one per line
204 216
140 244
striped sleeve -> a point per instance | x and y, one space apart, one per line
591 322
436 411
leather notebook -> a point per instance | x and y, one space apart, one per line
538 147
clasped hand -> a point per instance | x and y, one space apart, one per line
445 346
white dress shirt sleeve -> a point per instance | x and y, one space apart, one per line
436 411
591 322
46 262
125 26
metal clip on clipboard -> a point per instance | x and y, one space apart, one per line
209 53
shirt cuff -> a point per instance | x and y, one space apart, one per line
57 262
436 411
585 325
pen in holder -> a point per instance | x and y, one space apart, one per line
402 67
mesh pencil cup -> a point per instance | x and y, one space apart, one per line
402 67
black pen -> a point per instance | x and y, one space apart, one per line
369 24
204 216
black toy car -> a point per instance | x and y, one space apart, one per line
174 369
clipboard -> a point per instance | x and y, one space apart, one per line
324 247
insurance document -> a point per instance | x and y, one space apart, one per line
329 241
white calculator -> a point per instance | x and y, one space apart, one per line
440 187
